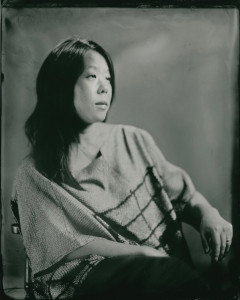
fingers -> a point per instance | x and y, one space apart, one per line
216 234
221 240
223 245
215 245
228 245
229 236
205 243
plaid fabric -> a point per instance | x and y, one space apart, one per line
64 281
152 213
129 194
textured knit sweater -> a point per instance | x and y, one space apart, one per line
129 194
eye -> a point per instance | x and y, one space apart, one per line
92 76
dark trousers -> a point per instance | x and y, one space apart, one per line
135 277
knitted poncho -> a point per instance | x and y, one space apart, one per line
129 194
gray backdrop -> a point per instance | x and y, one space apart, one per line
176 72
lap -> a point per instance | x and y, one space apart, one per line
134 276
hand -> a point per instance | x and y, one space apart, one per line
216 234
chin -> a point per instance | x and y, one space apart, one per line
96 120
101 118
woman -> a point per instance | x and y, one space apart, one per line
100 208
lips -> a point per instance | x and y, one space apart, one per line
102 104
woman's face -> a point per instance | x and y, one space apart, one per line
93 90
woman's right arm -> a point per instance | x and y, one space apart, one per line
111 248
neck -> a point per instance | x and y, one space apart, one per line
90 141
93 136
89 128
90 132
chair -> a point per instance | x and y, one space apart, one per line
16 229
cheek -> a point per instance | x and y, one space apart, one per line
80 96
85 92
110 91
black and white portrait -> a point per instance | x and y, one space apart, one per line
119 152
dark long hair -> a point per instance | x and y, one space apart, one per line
54 124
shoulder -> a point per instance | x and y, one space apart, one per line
130 131
22 172
25 165
130 136
125 139
29 181
129 139
26 172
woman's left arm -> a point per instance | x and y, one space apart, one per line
216 233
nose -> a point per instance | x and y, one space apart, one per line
103 89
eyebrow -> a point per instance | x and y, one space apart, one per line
96 68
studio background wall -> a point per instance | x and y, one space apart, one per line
176 76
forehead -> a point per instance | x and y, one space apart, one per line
93 59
